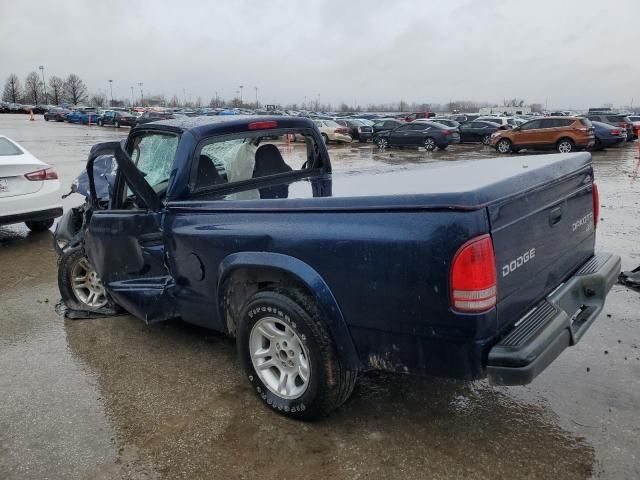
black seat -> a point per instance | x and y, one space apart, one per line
207 173
269 161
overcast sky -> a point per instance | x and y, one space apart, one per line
573 53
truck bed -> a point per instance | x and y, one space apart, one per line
463 185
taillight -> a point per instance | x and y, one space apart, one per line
473 276
596 205
40 175
341 130
446 133
615 132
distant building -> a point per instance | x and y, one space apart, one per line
501 110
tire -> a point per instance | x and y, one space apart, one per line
429 144
100 123
565 145
267 321
486 140
72 264
443 148
597 145
325 138
116 124
39 225
381 142
503 146
46 119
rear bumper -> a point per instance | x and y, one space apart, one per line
557 322
31 216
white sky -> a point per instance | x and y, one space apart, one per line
573 53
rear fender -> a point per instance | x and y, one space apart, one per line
307 276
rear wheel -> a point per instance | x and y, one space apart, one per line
429 144
565 145
486 140
39 225
289 356
503 146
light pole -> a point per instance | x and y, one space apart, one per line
241 87
256 95
133 99
140 84
111 91
44 85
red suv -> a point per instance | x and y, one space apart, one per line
564 134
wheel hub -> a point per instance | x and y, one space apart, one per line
279 357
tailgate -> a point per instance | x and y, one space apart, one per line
540 238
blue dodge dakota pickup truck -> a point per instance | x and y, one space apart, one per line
467 269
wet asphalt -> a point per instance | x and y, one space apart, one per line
114 398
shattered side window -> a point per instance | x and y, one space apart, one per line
153 154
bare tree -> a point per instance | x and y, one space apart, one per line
33 88
198 103
56 89
537 107
75 90
174 102
12 89
97 100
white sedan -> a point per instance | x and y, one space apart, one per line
29 188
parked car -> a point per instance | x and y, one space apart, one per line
56 114
616 119
87 118
332 131
509 122
415 116
478 131
635 121
29 188
430 135
147 117
489 267
608 135
466 117
358 129
385 124
564 134
442 121
117 119
77 116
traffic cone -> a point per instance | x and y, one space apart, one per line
31 117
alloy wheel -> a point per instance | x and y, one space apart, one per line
279 358
86 285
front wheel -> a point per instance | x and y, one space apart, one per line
39 225
429 144
382 142
79 284
289 356
503 146
486 140
565 146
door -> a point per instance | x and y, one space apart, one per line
469 132
528 134
400 136
416 134
125 242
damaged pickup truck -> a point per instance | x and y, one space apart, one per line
465 270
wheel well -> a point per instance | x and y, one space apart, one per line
243 282
565 138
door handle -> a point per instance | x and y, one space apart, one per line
555 216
